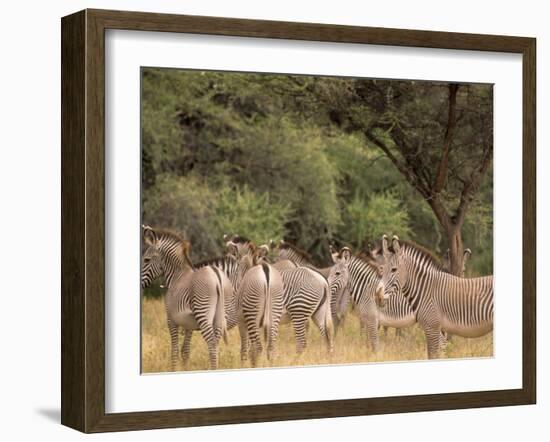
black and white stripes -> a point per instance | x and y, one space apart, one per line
440 301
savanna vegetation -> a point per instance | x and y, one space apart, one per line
349 346
314 160
318 159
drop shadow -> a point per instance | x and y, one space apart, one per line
51 414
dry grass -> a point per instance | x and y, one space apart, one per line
349 346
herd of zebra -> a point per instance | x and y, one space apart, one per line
392 284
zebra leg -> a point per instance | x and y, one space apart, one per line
371 323
173 329
211 336
243 332
277 294
213 352
274 334
186 348
363 327
255 341
300 328
429 321
433 338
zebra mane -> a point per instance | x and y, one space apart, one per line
297 250
366 258
424 252
213 261
171 235
238 239
176 238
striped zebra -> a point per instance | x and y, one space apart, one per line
364 281
307 295
397 313
394 312
440 301
338 281
238 246
291 257
260 297
366 295
194 300
288 252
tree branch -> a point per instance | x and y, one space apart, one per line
405 170
470 187
442 169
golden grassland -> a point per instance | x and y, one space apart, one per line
349 346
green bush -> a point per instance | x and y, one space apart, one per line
382 213
203 214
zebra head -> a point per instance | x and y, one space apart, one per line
260 254
238 246
392 271
165 255
151 262
338 281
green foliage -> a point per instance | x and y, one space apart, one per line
381 214
273 156
241 210
203 214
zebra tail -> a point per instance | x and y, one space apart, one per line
329 325
267 314
220 321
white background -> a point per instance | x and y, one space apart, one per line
30 221
128 391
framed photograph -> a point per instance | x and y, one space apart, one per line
267 221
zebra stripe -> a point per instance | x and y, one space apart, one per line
307 295
195 299
441 301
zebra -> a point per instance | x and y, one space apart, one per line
194 300
238 246
393 312
288 252
440 301
307 295
260 305
366 292
397 313
338 281
363 283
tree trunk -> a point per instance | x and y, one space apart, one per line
456 250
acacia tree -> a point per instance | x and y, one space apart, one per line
437 135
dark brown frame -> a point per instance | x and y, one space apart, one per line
83 215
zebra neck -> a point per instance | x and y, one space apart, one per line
363 279
175 274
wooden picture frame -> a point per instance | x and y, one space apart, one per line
83 220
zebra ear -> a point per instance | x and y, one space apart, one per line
263 250
226 237
395 245
260 253
345 255
149 235
467 254
334 254
385 249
